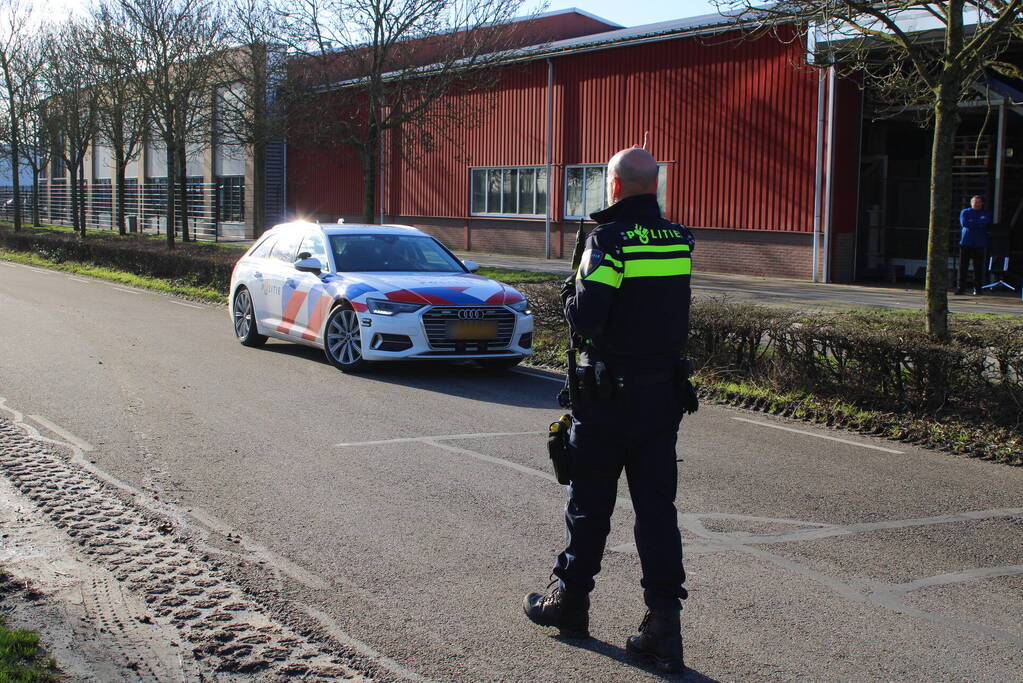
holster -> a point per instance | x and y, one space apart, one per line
686 390
557 448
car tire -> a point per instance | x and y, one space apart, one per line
245 319
499 364
342 340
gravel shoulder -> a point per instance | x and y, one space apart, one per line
118 592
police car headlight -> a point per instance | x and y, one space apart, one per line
385 307
521 307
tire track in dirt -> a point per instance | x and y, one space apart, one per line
227 632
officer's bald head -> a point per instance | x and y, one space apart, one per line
630 172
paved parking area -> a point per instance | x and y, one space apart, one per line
792 293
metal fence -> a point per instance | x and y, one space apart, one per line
215 211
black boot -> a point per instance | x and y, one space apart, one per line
659 640
569 612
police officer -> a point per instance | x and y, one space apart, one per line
628 304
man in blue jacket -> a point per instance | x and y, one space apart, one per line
973 244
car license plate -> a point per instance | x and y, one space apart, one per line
473 329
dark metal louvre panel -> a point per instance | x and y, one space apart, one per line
275 197
436 320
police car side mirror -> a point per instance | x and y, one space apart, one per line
309 265
471 266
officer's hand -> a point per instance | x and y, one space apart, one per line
567 289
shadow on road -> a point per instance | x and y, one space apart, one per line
464 379
619 654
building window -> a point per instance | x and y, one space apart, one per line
519 191
131 196
586 189
59 209
102 202
231 199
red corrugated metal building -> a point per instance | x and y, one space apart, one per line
733 120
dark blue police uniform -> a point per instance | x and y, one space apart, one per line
630 308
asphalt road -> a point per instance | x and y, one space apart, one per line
409 510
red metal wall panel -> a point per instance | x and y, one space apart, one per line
734 119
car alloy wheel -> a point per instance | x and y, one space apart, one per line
343 339
245 319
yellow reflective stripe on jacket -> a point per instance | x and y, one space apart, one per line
659 267
605 274
654 248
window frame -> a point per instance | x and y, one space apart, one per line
515 191
662 187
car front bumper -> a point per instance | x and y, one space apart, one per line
383 338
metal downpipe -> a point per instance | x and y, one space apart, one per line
817 181
550 157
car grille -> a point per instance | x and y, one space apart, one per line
438 319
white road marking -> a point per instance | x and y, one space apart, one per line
959 577
493 460
63 433
427 439
79 279
819 436
527 373
125 289
362 648
183 303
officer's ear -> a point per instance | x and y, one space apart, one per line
614 186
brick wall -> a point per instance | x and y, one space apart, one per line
755 253
843 253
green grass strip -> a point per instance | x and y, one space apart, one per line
512 276
118 276
21 659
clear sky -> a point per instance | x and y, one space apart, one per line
634 12
624 12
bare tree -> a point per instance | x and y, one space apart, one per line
249 112
34 146
876 42
180 45
123 110
19 67
368 67
69 110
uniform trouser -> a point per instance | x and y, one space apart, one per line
637 435
978 257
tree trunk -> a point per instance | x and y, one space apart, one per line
15 180
946 121
119 166
169 195
75 217
183 190
35 196
82 218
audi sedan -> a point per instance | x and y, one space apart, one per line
366 293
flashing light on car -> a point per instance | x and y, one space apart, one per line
386 307
522 307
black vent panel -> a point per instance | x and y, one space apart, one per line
469 329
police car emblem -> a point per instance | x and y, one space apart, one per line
591 259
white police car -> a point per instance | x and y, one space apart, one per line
372 293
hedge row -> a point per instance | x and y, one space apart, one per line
882 361
196 264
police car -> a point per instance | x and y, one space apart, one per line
366 293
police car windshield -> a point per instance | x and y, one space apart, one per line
391 253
